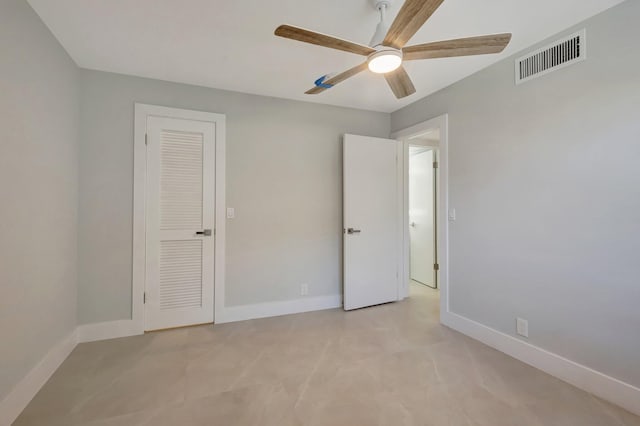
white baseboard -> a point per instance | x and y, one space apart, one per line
274 309
125 328
585 378
13 404
108 330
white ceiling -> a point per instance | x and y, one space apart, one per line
230 44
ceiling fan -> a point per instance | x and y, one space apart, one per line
387 49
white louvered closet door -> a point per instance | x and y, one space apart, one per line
180 218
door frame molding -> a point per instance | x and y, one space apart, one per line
142 112
442 123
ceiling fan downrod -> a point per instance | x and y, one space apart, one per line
383 27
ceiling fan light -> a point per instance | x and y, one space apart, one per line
385 61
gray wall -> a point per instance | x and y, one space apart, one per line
38 191
283 179
546 183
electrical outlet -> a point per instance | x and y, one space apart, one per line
231 213
304 289
452 215
522 327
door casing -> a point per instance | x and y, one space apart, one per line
442 201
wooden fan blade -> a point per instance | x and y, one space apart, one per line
306 36
400 83
338 78
412 15
461 47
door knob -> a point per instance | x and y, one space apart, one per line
353 231
206 232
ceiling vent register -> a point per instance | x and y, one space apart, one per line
560 54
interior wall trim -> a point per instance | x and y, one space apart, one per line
274 309
606 387
108 330
16 401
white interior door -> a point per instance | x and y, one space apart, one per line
180 218
370 220
421 215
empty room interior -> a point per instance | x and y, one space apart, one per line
292 213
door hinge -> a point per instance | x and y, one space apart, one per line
144 297
436 267
146 139
435 165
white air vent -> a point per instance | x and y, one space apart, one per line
562 53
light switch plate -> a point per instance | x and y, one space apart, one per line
231 213
522 327
452 215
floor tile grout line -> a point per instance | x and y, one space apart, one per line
305 385
245 370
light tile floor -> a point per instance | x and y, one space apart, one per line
389 365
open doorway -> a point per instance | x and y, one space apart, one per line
428 136
421 215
